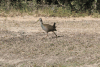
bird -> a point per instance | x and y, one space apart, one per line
48 28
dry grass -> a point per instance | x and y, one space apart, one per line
77 45
44 11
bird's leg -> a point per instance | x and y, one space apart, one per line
54 33
47 35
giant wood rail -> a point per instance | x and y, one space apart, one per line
48 28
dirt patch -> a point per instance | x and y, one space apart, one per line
22 42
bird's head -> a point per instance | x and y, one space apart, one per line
40 19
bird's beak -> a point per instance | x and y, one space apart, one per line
36 21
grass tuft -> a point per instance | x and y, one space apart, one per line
49 11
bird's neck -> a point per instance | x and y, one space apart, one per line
41 22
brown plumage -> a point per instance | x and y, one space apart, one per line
48 28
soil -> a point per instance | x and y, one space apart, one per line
23 42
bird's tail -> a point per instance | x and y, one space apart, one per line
54 26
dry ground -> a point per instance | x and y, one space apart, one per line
77 45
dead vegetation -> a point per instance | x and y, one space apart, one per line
77 45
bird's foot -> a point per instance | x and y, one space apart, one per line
42 38
55 37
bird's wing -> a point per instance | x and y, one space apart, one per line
48 26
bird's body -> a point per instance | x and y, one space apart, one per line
48 28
